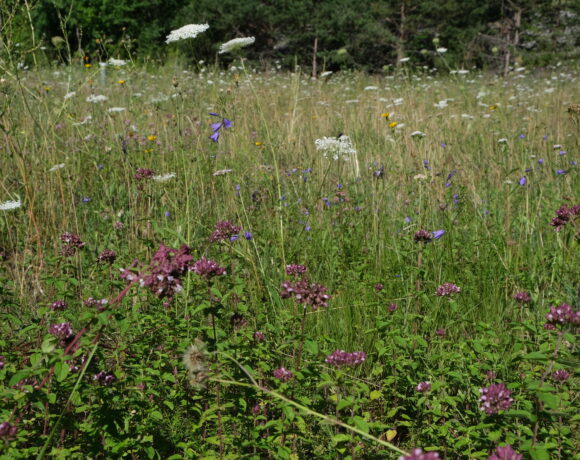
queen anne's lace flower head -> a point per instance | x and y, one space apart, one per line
235 44
188 31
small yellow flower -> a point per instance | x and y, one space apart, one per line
121 82
47 88
258 144
88 65
152 138
392 124
385 115
97 40
492 107
148 150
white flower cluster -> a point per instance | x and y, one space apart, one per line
337 148
235 44
96 98
9 205
117 62
164 177
188 31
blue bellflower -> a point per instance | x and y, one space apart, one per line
216 127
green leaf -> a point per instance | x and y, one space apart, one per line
375 394
48 345
515 413
343 403
341 438
539 453
550 400
535 356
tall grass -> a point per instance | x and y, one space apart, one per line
351 231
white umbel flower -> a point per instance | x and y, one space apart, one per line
9 205
96 98
115 109
441 50
117 62
164 177
235 44
418 134
337 148
188 31
56 167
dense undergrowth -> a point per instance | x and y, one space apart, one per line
166 296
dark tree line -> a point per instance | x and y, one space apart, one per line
362 34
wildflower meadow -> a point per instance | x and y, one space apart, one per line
244 262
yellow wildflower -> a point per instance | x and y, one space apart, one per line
392 124
88 65
492 107
258 144
385 115
152 138
121 82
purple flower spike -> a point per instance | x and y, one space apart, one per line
283 374
341 358
494 398
561 375
418 454
207 268
447 290
505 453
423 387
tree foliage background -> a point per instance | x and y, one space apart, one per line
363 34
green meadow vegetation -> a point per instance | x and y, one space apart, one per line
235 263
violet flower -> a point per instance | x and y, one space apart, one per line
216 127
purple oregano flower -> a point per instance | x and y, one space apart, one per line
341 358
494 398
224 230
282 374
216 127
418 454
447 289
207 268
505 453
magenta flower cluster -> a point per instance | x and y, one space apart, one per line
144 173
494 398
294 269
418 454
1 362
423 236
61 331
564 214
104 378
223 231
163 276
207 268
561 375
71 242
58 305
561 315
447 289
7 431
505 453
282 374
522 297
305 293
99 305
341 358
107 256
423 387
